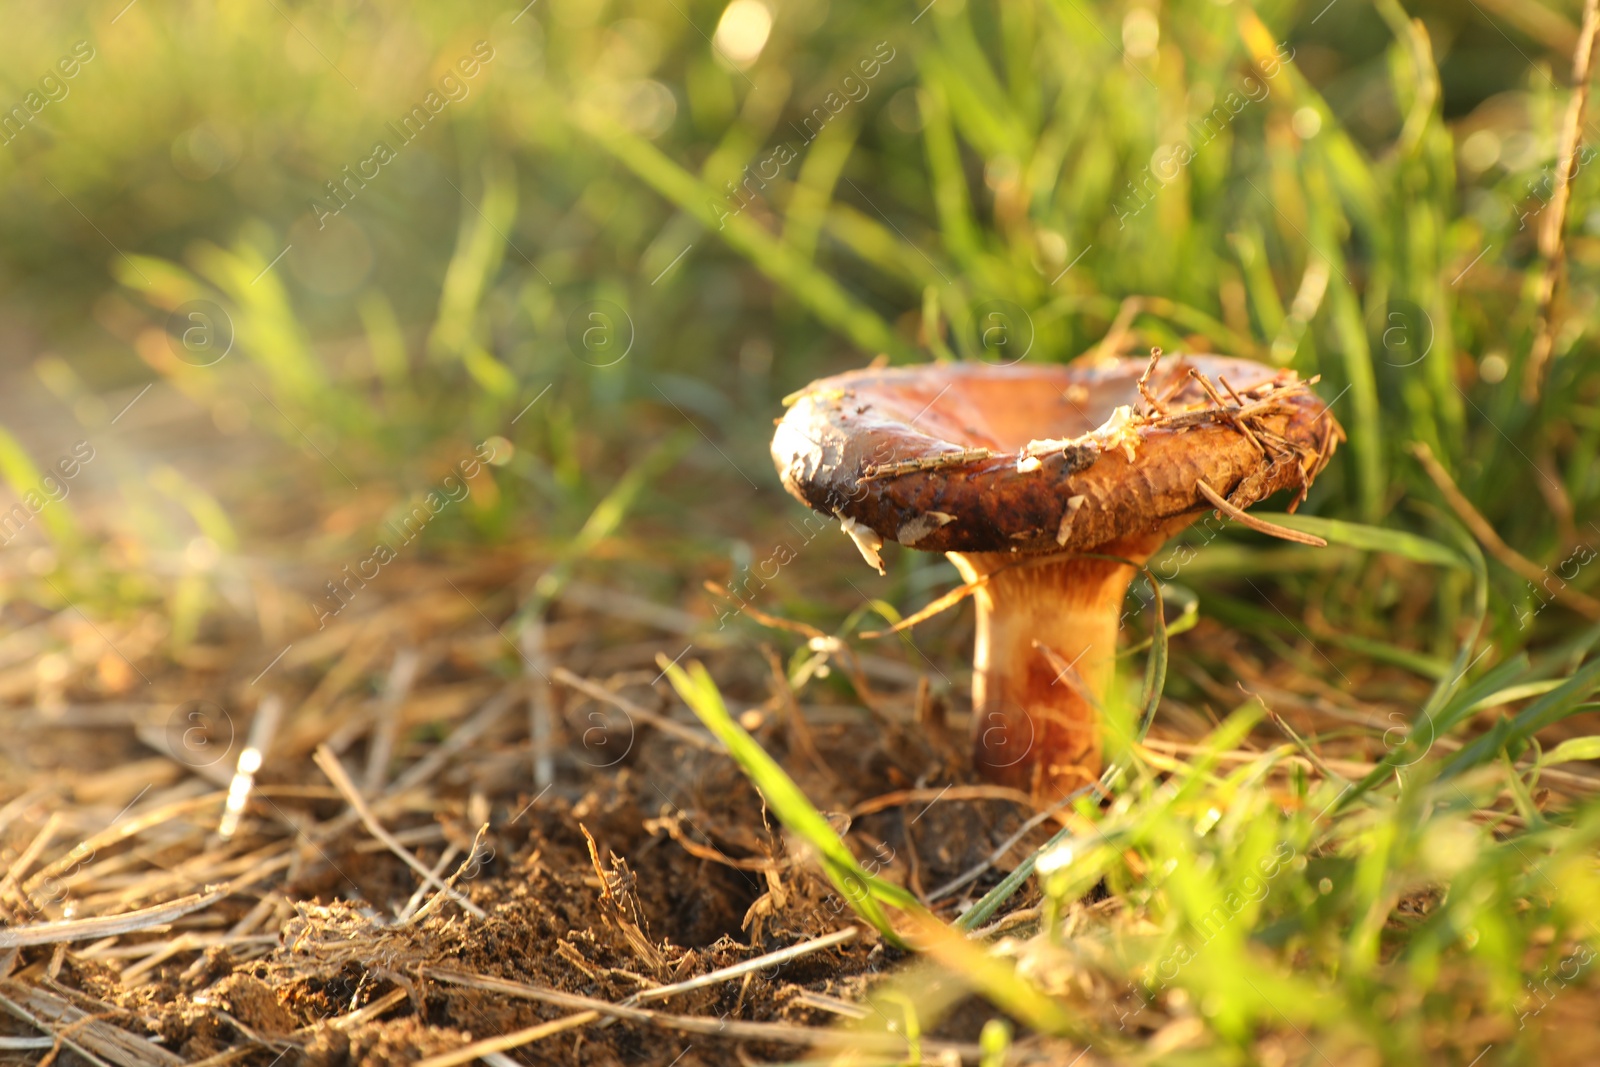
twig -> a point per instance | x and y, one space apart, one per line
81 1022
776 622
958 458
1582 603
1552 232
799 730
415 902
1243 517
336 773
1266 405
8 1044
121 831
206 869
737 970
1229 414
823 1002
133 975
624 913
972 874
942 603
515 1039
1235 396
256 916
954 792
362 1015
735 1029
628 707
1144 383
1113 341
38 1024
15 807
367 645
431 906
421 771
469 732
29 855
1294 737
402 673
672 825
91 929
106 949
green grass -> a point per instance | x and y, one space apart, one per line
1367 216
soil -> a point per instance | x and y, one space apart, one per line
305 960
646 858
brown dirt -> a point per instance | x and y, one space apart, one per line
697 877
303 961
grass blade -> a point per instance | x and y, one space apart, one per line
1574 751
863 891
607 516
26 480
1444 697
1373 539
826 298
1547 710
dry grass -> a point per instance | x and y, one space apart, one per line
638 907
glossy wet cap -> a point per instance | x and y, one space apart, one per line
967 457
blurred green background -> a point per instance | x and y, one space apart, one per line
615 236
563 232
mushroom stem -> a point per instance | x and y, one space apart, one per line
1044 657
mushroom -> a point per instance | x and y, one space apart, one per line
1017 474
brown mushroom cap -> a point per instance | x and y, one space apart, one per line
896 449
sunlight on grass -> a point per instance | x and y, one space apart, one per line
1364 822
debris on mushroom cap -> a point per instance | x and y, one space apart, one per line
914 530
1051 445
1064 531
1118 431
874 471
886 447
1121 430
867 541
